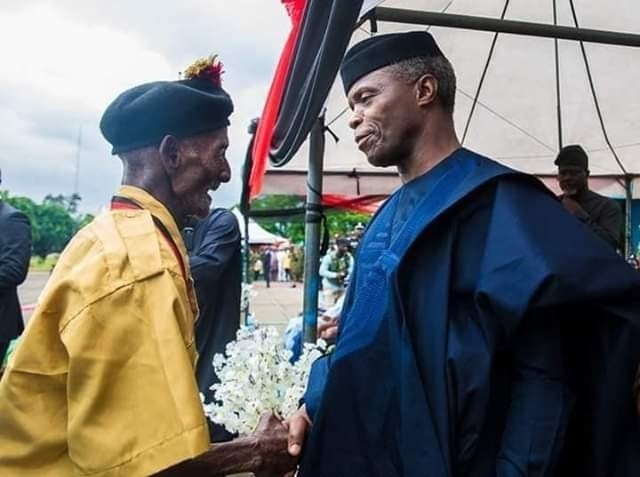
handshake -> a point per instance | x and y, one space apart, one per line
279 443
273 450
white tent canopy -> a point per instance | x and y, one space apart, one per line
515 119
258 235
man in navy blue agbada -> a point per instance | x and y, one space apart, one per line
486 331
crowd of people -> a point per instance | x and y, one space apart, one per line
277 264
483 326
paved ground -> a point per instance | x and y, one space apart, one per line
30 290
273 306
276 305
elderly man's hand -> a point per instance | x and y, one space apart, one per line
298 424
272 437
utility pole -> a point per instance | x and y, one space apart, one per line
77 171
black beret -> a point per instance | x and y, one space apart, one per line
384 50
143 115
572 156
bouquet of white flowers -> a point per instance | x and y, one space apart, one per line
256 376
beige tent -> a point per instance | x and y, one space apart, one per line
258 235
515 118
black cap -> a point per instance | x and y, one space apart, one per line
572 156
384 50
143 115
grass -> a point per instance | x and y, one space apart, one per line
39 264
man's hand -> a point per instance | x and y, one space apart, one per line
264 452
328 329
572 206
272 447
298 424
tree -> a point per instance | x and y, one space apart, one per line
67 202
339 222
53 222
56 226
291 227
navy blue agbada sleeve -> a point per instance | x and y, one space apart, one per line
538 260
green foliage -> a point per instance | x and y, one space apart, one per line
54 227
340 222
45 264
53 222
84 220
67 202
291 227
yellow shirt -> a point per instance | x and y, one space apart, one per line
103 383
286 260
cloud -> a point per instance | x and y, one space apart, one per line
64 61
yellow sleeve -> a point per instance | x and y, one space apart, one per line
134 407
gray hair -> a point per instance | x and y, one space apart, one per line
439 67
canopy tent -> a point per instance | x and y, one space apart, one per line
257 235
519 99
515 118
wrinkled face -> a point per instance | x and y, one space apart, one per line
202 168
572 180
386 118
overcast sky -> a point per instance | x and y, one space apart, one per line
63 61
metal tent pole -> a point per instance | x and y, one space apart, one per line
416 17
557 63
596 103
482 77
246 265
313 219
628 181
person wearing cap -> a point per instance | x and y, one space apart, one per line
600 213
473 341
355 237
102 382
335 269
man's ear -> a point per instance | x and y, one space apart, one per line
426 89
169 153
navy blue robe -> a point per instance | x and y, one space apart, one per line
215 260
486 332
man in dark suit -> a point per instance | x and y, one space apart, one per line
266 265
215 259
15 252
601 214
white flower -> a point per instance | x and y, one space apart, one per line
256 377
246 294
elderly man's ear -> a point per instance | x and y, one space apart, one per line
169 153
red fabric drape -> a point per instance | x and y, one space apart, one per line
367 204
262 143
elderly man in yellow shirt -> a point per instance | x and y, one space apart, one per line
103 383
